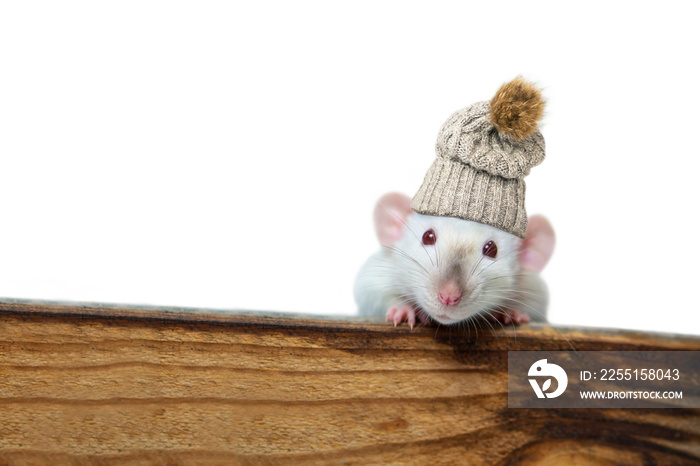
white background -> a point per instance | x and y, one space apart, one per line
229 154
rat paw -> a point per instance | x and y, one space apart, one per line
407 313
510 316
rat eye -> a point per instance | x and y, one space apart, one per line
490 249
429 237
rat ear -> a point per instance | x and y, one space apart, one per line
538 245
390 214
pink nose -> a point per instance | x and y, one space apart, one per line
449 293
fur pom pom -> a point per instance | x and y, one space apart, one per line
516 109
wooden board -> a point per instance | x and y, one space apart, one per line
88 384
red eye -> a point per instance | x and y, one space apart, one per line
429 238
490 249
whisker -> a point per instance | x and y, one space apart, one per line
407 256
412 232
495 260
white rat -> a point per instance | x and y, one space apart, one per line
449 270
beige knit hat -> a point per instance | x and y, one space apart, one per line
483 153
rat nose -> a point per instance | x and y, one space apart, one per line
449 293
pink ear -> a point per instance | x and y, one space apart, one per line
390 214
538 245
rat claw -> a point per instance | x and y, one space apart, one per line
411 318
511 316
407 313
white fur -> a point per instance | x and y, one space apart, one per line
410 272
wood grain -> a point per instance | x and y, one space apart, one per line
91 384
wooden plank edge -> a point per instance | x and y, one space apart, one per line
278 320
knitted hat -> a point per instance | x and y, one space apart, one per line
483 153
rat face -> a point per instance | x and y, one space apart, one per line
452 268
